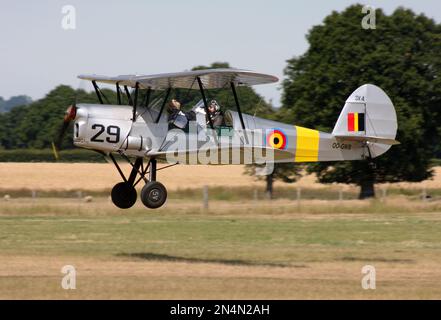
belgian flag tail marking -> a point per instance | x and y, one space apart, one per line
356 121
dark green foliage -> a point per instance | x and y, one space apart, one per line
402 56
47 155
36 125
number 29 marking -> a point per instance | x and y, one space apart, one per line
113 133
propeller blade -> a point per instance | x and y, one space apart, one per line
70 115
54 150
61 133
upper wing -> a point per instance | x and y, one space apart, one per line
211 79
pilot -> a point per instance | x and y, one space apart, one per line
178 118
174 105
215 114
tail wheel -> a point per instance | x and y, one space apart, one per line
153 194
124 195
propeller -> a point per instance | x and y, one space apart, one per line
69 115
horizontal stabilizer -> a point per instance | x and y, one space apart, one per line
381 140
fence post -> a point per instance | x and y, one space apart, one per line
256 195
34 194
383 194
424 194
299 197
340 194
205 197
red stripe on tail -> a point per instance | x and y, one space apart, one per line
350 122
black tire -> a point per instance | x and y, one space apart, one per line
123 195
153 194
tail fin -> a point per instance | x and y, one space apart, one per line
368 115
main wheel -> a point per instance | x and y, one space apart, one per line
123 195
153 194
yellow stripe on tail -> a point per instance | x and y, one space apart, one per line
355 121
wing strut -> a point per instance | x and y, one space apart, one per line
201 88
163 104
147 97
135 101
97 91
128 95
233 88
236 99
118 93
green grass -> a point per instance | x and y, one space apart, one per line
249 239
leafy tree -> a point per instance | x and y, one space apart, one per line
401 56
36 125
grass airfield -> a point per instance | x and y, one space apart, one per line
281 249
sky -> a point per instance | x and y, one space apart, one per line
149 37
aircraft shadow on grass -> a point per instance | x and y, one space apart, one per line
169 258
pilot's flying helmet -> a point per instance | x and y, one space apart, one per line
175 104
215 104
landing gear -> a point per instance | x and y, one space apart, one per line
153 194
123 195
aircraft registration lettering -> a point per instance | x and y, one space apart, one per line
307 146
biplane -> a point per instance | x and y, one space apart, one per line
139 128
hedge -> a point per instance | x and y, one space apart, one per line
46 155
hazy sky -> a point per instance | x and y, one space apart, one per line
144 37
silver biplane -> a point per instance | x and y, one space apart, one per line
143 133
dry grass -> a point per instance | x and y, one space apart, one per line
100 176
31 277
280 208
